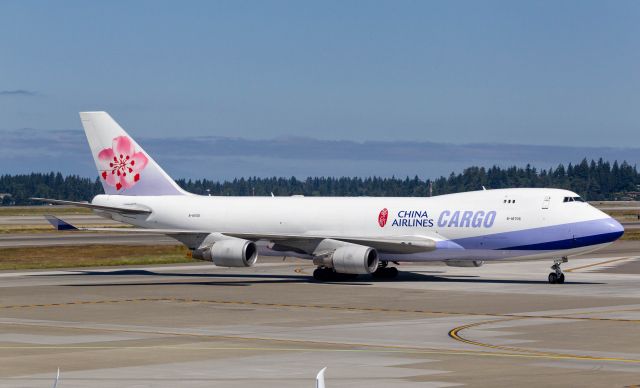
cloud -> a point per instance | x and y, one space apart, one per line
18 92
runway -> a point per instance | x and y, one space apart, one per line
499 325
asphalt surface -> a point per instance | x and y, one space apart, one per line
500 325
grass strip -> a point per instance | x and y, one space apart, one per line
21 229
91 256
42 210
631 235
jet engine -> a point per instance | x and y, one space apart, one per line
233 252
351 259
464 263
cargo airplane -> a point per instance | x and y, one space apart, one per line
344 237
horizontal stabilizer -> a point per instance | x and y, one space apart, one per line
113 209
59 224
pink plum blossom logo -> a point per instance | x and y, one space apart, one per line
121 164
382 217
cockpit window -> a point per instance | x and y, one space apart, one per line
573 199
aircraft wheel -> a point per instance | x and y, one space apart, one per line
385 273
557 277
329 275
346 276
323 274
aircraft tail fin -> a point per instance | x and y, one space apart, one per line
124 167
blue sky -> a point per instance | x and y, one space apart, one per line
539 72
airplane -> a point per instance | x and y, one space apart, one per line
344 236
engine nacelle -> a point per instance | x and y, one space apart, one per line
464 263
233 252
352 259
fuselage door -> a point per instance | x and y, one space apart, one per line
545 203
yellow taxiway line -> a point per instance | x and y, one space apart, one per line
599 263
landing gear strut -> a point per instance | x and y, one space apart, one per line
557 277
384 271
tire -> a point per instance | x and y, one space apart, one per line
345 276
329 275
392 272
561 279
321 274
385 273
553 278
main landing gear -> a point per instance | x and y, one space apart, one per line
384 271
325 274
557 277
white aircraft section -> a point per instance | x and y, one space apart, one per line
342 235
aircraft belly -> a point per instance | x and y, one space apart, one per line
491 255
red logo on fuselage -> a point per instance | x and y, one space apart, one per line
382 217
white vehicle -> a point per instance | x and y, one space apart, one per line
344 237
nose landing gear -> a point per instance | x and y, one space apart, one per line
557 277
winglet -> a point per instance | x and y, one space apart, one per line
59 224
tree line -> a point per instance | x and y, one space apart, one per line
593 180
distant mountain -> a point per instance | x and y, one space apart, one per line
220 158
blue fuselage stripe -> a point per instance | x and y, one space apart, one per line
556 237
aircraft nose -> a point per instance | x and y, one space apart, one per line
612 229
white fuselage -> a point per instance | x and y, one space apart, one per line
481 225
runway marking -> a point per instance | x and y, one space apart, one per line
300 271
505 351
599 263
455 334
327 307
369 349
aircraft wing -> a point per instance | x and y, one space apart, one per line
133 209
193 238
399 244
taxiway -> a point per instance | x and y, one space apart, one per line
499 325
